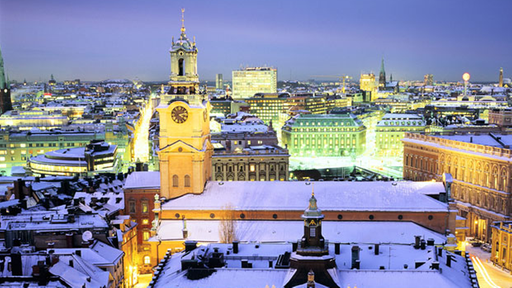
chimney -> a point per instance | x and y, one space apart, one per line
448 260
190 245
311 279
418 264
423 244
85 244
78 253
355 257
294 246
16 264
417 239
337 248
69 240
235 247
377 246
440 251
430 242
71 262
435 265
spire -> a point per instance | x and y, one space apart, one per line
183 21
382 66
312 200
3 83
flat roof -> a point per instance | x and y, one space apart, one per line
143 179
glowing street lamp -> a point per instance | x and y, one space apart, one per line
466 78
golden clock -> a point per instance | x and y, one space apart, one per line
179 114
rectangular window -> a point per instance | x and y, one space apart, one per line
145 221
132 207
144 207
145 235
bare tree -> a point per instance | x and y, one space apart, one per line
227 225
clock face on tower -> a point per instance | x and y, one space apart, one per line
179 114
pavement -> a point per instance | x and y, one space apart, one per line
144 280
489 276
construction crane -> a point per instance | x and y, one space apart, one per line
342 79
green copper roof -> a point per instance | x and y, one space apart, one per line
3 83
382 66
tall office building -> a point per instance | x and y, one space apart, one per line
428 80
219 82
367 82
252 80
5 90
382 75
501 77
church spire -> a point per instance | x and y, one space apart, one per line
183 21
382 75
3 82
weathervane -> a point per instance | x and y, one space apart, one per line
183 20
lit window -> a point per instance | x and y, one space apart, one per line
144 207
145 235
145 221
147 260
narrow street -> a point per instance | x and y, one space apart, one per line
141 144
489 276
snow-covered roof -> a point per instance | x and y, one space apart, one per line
331 196
143 179
290 231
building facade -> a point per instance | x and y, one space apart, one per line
481 167
501 251
252 80
324 135
391 129
267 107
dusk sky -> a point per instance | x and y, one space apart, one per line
97 40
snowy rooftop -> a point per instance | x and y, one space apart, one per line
484 139
143 179
290 231
394 266
333 196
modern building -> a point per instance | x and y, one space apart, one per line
391 129
501 251
481 167
252 80
95 157
334 135
267 107
5 89
27 120
219 82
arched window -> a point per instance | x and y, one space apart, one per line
175 182
187 181
147 260
181 67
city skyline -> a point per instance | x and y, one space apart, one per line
96 41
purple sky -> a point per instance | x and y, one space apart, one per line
97 40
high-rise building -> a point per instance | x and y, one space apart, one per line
267 106
501 77
219 82
367 82
184 142
252 80
428 80
5 90
382 75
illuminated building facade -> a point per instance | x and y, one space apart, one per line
5 89
95 157
184 142
140 189
252 80
324 135
481 168
501 251
501 117
391 129
428 80
267 106
26 120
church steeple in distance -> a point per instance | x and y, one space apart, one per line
382 75
5 89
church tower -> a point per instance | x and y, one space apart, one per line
382 75
500 84
185 149
5 89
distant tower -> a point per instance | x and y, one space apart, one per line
428 80
219 83
501 77
382 75
5 89
52 81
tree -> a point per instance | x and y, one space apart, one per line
227 225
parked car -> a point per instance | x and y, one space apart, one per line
486 247
474 242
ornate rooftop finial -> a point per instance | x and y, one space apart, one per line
182 20
313 189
